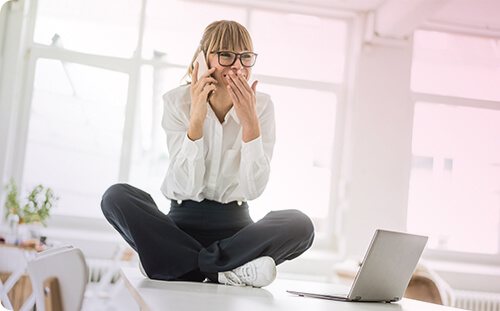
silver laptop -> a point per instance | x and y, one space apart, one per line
385 271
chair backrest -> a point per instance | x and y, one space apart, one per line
68 265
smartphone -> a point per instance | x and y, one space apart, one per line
202 67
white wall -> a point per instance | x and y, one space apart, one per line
380 145
376 164
12 64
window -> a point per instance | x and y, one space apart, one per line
293 46
455 193
75 133
176 27
95 27
454 65
454 188
96 120
301 167
299 46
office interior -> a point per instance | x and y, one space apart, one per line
387 112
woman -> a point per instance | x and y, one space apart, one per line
220 136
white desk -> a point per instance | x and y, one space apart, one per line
154 295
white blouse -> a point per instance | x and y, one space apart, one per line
219 166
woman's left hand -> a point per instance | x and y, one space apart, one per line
244 102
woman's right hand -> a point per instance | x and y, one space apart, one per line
200 89
199 93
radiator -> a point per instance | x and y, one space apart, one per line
477 301
107 270
102 270
104 274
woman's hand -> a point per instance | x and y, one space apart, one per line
244 102
200 90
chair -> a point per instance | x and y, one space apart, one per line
65 274
15 285
426 285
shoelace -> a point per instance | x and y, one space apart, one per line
241 276
233 279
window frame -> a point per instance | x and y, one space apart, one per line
451 255
132 67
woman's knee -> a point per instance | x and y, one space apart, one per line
112 197
298 223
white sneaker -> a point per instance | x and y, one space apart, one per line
257 273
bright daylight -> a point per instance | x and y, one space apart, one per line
249 155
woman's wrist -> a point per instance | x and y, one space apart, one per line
195 130
250 131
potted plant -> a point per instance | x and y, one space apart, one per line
35 212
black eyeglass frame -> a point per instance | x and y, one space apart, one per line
235 58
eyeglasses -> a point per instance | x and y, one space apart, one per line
227 59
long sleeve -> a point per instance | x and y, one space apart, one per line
187 166
219 166
256 155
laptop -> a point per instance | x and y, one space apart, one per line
385 271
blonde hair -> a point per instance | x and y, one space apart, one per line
222 36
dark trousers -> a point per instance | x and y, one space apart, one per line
198 239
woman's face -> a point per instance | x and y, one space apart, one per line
221 71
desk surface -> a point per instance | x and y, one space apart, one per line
152 295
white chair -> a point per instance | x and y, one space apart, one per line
13 259
68 265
